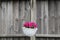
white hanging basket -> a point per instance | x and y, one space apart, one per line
29 31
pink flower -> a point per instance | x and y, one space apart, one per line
26 24
34 24
30 24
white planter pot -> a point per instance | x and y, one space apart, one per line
29 31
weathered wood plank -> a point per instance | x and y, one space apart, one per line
51 18
38 16
46 17
9 16
42 17
0 18
4 18
33 11
3 21
58 19
16 16
21 15
27 11
56 16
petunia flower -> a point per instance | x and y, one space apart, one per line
34 24
30 24
26 24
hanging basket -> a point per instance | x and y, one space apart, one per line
28 29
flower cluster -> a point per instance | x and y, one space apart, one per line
30 25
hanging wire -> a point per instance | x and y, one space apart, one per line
30 8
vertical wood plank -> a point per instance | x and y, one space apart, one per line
33 12
58 12
22 15
4 18
21 7
56 18
51 18
46 17
42 17
16 16
0 18
27 11
38 16
9 16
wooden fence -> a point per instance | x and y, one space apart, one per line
46 14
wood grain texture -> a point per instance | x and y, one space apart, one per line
27 11
58 16
21 15
54 17
46 18
10 16
0 18
42 17
10 11
16 16
4 18
39 17
51 18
